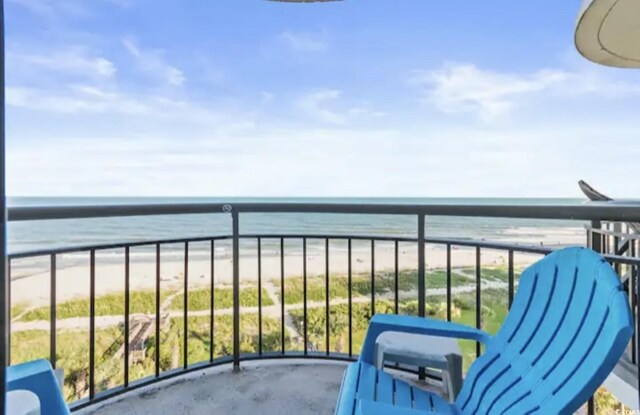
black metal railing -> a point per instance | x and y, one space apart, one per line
620 248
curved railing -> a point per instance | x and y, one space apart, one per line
233 322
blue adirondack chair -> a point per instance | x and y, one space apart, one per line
38 377
569 324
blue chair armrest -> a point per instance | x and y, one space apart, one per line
377 408
38 377
381 323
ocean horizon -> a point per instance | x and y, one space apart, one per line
51 234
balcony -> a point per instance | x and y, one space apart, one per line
246 322
291 387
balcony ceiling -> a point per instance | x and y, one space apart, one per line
608 32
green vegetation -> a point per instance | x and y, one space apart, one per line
493 312
361 285
18 309
144 302
223 298
495 273
141 302
73 349
607 404
73 355
494 309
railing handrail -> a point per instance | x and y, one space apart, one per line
591 211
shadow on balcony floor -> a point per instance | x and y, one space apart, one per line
272 389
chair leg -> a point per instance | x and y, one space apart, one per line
455 375
446 385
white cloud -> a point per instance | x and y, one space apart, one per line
152 61
366 162
70 61
460 88
89 99
75 100
324 105
304 42
315 104
465 88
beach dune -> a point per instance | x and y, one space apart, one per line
33 289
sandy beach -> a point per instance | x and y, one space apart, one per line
73 282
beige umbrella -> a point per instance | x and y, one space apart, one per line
608 32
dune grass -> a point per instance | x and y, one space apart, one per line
200 299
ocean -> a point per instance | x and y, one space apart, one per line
36 235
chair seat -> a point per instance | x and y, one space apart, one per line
363 381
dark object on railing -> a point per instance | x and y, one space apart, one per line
592 193
596 196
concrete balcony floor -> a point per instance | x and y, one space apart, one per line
268 387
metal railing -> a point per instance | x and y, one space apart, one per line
597 238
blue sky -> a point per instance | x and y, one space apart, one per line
353 98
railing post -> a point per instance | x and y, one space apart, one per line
635 273
478 296
92 324
185 306
421 265
236 290
596 237
327 310
4 280
511 279
212 315
52 308
596 244
127 310
448 282
283 326
421 279
158 287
